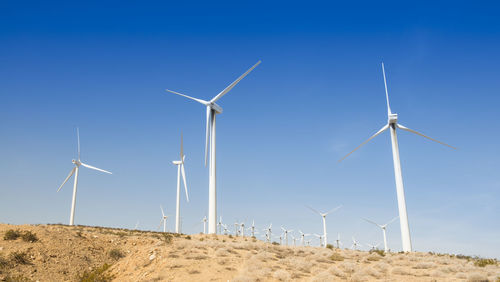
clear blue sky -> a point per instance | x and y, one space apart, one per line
317 94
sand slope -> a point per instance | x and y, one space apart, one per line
65 253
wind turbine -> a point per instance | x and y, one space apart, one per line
354 243
302 236
180 171
252 228
163 220
323 217
285 232
268 232
338 241
75 170
220 225
242 228
225 229
320 239
383 227
373 247
136 225
294 240
212 110
392 124
204 220
236 228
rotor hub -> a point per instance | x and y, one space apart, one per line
393 118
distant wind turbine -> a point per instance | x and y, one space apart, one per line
220 225
212 110
302 237
323 217
320 239
180 171
392 124
75 170
204 220
163 220
383 227
373 247
338 241
285 232
355 243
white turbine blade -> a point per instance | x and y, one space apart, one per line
372 222
391 221
183 172
373 136
283 228
78 137
161 222
333 209
95 168
208 132
189 97
228 88
182 150
418 133
66 180
386 93
162 213
313 210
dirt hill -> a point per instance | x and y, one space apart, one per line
82 253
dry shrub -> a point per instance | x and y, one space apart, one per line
324 276
11 234
400 271
358 277
373 257
19 258
116 254
382 267
461 275
424 265
348 267
222 252
437 273
337 272
29 236
371 272
477 277
298 263
336 257
282 275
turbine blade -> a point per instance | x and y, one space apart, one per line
313 210
391 221
189 97
208 132
386 93
95 168
228 88
183 172
78 137
161 222
373 136
162 213
418 133
67 178
182 150
372 222
334 209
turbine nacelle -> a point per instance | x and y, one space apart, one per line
393 118
215 107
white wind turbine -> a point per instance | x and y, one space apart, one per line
355 243
252 228
268 232
212 110
338 241
392 124
242 229
220 225
285 232
204 220
180 171
225 229
236 228
75 171
320 239
383 227
163 220
373 247
302 236
294 240
323 217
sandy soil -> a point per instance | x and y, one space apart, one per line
64 253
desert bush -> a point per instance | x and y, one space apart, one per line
437 273
29 236
373 257
282 275
329 246
4 263
167 238
377 251
230 236
11 234
96 275
19 258
222 252
336 257
275 243
481 262
477 277
116 254
424 265
188 237
382 267
371 272
337 272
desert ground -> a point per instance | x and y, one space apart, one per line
84 253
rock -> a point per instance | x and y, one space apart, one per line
152 257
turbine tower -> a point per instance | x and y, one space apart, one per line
383 227
163 220
212 110
75 170
323 216
285 232
392 124
180 171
